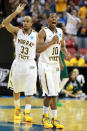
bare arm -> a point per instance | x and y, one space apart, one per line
66 53
7 21
63 48
41 39
61 63
67 93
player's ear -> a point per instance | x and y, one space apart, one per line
31 23
47 20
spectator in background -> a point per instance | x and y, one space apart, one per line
72 23
35 11
72 87
77 60
76 2
71 6
70 42
71 45
20 18
61 6
53 6
81 3
39 3
83 11
44 20
47 9
6 7
67 62
79 77
36 23
50 2
82 34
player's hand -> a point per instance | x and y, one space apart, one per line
62 43
20 8
55 39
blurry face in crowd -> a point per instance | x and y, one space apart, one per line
47 7
27 23
69 36
77 55
74 13
73 76
52 21
76 72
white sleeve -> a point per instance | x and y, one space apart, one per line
83 79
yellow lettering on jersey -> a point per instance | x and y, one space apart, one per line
21 41
53 58
23 57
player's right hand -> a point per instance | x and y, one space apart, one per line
55 39
20 8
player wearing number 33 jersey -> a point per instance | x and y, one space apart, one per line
23 72
24 66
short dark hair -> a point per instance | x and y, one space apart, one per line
51 14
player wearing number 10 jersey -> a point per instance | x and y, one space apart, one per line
49 45
24 70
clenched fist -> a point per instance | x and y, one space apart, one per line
55 39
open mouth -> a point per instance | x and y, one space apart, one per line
54 23
25 26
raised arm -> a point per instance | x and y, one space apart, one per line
7 21
41 39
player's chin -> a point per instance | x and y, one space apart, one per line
54 25
25 27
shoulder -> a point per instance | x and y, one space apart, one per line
44 28
59 30
35 32
42 33
20 31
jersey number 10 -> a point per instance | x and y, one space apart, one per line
55 51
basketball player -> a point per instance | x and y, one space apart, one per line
49 44
24 70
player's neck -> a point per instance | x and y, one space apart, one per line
27 31
53 29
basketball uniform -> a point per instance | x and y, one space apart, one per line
49 66
23 74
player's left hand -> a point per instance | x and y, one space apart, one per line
20 8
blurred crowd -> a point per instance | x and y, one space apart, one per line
72 18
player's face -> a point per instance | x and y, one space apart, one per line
27 22
52 21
